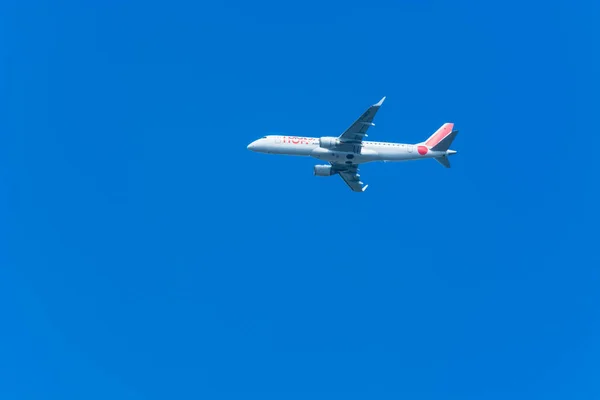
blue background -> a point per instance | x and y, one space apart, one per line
147 254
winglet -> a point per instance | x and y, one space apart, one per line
380 102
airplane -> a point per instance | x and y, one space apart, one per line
345 153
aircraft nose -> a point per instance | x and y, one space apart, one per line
250 146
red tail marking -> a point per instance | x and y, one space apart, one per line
441 133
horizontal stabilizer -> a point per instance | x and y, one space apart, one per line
444 161
445 143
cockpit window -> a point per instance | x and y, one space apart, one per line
264 137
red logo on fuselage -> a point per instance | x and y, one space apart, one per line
298 140
422 150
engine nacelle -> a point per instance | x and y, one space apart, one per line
328 142
323 170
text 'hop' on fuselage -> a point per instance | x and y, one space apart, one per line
346 152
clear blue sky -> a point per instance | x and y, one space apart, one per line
145 253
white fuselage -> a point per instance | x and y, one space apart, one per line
348 153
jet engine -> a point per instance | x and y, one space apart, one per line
324 170
328 142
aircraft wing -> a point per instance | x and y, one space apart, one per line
358 130
349 174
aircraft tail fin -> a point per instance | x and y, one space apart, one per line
438 135
442 138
